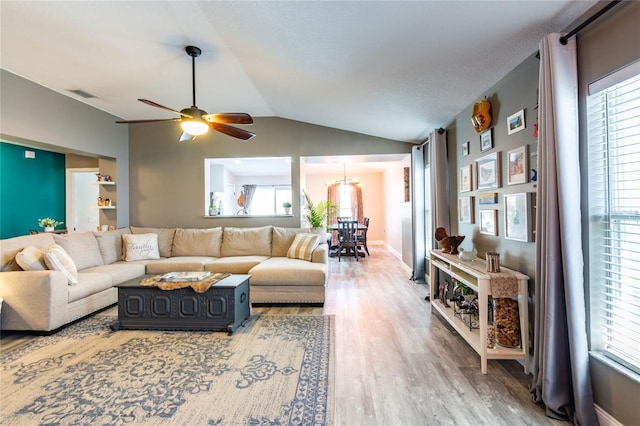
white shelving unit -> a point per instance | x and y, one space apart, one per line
105 183
474 275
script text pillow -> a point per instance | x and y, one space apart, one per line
140 247
303 245
31 259
57 259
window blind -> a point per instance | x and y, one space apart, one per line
614 220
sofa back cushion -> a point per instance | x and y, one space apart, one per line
246 241
12 246
82 247
197 242
110 244
283 237
165 238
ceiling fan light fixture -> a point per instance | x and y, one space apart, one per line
195 127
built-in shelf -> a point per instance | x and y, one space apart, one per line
106 207
105 183
473 274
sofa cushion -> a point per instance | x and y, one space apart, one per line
82 247
197 242
234 264
12 246
246 241
302 246
140 247
279 271
56 258
165 238
31 259
110 244
178 264
283 237
120 271
89 283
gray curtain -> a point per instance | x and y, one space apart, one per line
249 192
561 378
439 165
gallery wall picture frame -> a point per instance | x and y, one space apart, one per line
465 210
488 198
488 171
486 141
518 166
465 178
517 217
515 122
488 222
465 149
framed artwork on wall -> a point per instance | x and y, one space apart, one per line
488 171
465 178
517 217
515 122
518 166
488 219
465 149
465 209
488 198
486 141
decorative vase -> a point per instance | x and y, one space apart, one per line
287 210
48 229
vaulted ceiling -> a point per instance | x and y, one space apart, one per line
391 69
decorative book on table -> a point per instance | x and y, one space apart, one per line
181 277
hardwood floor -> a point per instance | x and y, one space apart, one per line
398 364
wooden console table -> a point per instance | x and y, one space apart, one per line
473 274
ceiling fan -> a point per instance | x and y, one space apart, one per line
195 121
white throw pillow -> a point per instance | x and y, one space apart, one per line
57 259
31 259
303 245
140 247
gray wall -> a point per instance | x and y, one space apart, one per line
167 177
610 43
34 116
605 46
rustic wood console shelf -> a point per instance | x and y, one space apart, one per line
473 274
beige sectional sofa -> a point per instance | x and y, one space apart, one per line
41 299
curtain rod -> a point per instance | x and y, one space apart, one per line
595 16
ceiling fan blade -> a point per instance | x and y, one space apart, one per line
153 104
148 121
229 118
187 137
232 131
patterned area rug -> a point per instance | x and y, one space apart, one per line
277 370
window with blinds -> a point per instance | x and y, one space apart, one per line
613 107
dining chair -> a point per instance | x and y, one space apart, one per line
362 236
348 240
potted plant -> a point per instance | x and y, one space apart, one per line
48 224
317 214
287 207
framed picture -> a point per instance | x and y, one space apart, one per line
488 198
488 171
488 219
465 149
486 142
465 178
517 216
465 209
518 166
515 122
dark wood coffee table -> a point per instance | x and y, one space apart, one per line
224 307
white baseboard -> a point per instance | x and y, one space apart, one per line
606 419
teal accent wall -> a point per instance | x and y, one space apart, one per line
30 189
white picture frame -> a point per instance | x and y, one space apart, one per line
517 217
518 166
488 171
486 141
466 178
488 222
515 122
465 210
